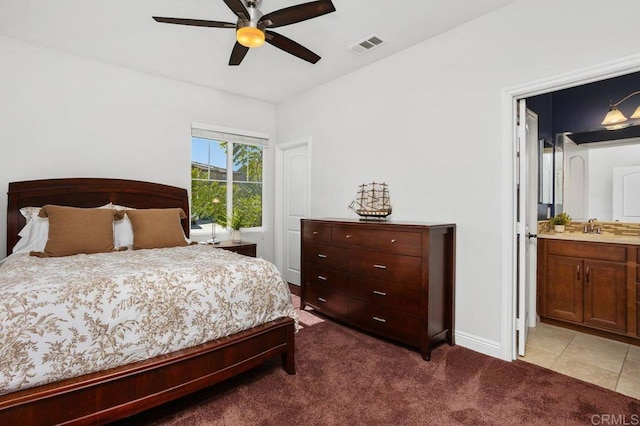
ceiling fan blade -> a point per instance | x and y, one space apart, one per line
238 8
237 54
195 22
298 13
290 46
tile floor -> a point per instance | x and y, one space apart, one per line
607 363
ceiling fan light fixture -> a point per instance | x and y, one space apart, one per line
636 114
253 28
250 36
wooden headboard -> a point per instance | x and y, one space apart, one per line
89 192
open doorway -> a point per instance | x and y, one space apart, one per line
569 341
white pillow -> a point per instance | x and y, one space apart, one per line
34 235
123 233
24 238
29 213
122 229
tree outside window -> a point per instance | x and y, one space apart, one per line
231 174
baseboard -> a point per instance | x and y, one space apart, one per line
478 344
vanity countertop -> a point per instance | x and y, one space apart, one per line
600 238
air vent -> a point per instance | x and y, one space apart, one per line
367 45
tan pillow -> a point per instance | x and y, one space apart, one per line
156 228
75 230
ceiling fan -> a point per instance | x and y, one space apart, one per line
251 27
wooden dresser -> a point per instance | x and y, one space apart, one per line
396 280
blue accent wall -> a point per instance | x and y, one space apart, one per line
582 108
542 105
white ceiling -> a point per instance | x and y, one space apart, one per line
122 32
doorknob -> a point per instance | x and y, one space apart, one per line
530 235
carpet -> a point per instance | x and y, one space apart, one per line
345 377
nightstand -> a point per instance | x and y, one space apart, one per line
243 247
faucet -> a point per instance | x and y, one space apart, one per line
591 228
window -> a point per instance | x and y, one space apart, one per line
226 179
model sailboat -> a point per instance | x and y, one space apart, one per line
372 201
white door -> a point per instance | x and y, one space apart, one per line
295 206
576 182
526 225
531 217
626 194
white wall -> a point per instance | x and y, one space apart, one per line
429 121
66 116
601 164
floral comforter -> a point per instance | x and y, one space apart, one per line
67 316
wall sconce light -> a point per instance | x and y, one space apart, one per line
615 119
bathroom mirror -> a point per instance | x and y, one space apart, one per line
550 177
545 172
589 169
558 172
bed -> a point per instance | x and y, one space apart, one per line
118 392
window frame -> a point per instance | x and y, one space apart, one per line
232 136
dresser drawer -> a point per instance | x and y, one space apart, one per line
599 251
390 267
326 278
409 243
402 296
322 254
328 302
349 236
316 232
388 322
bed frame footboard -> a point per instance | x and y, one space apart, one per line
120 392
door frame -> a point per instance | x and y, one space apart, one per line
510 98
279 193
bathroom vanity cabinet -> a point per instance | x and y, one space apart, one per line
591 285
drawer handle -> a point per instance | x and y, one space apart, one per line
379 319
586 276
315 232
393 241
379 293
322 299
320 277
347 236
379 266
578 272
322 256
